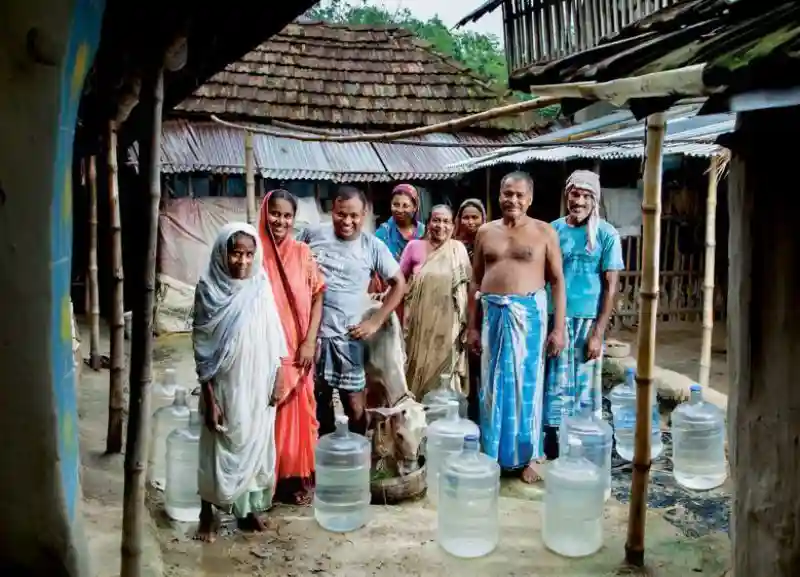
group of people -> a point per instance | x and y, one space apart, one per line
512 313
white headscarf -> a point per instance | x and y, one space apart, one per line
238 344
221 301
587 181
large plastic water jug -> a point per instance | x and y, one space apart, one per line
623 411
469 491
698 443
164 389
165 420
572 523
436 401
596 437
183 459
342 495
445 437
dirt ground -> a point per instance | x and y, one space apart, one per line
397 541
678 349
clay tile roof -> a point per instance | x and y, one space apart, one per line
347 76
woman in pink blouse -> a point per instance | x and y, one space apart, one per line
438 270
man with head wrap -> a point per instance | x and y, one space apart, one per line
592 259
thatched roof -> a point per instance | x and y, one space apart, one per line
346 76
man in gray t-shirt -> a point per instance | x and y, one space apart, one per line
348 258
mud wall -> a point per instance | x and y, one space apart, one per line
40 532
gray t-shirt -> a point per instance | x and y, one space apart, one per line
347 266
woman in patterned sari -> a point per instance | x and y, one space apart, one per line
298 287
436 306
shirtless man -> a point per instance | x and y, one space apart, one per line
514 258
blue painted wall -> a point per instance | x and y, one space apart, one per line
84 36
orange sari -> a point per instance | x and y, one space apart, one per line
295 281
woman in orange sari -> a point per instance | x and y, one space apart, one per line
298 286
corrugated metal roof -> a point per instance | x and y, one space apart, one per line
596 139
404 161
475 151
189 146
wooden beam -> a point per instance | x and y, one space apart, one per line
651 235
147 201
763 346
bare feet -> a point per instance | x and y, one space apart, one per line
303 498
258 523
252 523
534 472
206 531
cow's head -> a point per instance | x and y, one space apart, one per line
397 436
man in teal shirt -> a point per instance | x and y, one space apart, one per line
592 258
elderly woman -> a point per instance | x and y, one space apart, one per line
436 305
592 257
238 347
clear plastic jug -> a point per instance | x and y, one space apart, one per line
342 495
165 420
469 490
164 389
623 410
445 437
596 437
572 522
183 459
698 443
436 401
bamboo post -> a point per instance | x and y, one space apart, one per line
94 291
651 232
147 200
488 194
708 280
250 177
116 386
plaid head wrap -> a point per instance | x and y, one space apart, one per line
587 181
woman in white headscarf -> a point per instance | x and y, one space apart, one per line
238 346
592 256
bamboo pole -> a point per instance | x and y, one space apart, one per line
651 232
488 193
447 126
148 200
250 177
708 280
94 291
116 385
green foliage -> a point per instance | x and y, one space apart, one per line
479 52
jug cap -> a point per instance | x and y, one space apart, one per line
630 371
695 387
341 420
